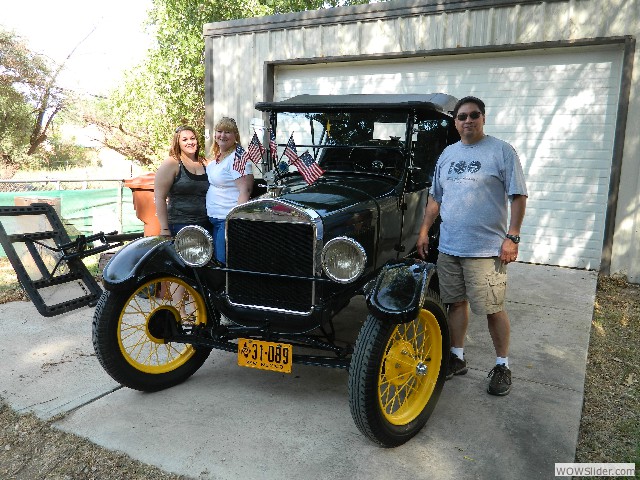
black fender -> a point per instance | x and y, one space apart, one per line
140 259
398 292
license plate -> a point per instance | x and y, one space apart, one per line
265 355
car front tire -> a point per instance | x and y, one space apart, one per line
129 330
397 373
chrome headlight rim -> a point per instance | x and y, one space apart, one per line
206 241
359 249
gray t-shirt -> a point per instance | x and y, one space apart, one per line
472 184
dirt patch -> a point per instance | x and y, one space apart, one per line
31 448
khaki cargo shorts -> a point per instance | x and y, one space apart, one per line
481 281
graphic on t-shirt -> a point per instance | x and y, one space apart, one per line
461 167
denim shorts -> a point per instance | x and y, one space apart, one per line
481 281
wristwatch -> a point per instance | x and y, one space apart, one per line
513 238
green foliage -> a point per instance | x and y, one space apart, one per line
15 122
167 90
29 100
21 72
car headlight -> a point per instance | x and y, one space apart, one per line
343 259
194 245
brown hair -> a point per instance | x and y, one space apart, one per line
225 123
175 150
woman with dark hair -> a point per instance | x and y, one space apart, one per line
228 187
181 184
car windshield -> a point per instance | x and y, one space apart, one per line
354 141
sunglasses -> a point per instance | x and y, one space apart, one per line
463 116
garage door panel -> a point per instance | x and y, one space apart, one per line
565 127
556 107
582 190
563 199
571 220
556 179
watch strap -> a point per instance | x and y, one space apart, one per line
513 238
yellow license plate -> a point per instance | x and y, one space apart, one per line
265 355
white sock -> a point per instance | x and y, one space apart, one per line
458 352
502 361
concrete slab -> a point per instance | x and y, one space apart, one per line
228 422
49 366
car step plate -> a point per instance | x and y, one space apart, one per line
265 355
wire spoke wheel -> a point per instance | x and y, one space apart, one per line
409 369
152 312
397 373
131 332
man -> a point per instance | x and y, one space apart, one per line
474 182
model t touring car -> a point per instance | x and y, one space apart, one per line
297 253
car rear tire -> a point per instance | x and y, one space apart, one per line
128 331
397 373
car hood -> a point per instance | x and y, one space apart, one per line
337 193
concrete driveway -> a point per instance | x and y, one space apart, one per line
229 422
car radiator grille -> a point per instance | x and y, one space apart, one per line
270 247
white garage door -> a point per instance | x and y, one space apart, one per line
557 108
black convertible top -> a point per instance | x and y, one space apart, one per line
440 102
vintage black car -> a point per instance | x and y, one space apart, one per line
297 253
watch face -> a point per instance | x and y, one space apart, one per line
514 238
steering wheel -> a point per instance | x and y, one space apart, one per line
355 161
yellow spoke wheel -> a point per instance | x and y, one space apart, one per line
148 315
397 373
409 368
130 332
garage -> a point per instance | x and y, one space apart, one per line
556 107
557 76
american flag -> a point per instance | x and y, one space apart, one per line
240 160
254 150
290 151
273 147
308 167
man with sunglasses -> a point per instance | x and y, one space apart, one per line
475 182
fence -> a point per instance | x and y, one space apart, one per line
83 211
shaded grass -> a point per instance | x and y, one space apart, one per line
610 424
12 291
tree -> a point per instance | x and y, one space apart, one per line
29 96
21 71
168 88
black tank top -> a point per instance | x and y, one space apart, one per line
187 197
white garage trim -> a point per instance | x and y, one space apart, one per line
557 108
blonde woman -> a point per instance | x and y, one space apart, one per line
227 187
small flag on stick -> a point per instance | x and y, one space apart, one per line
240 160
308 167
254 150
290 151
